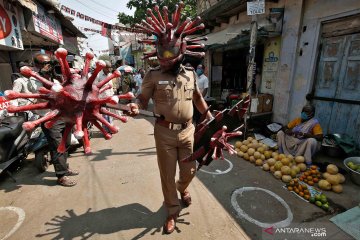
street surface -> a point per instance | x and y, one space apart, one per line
118 196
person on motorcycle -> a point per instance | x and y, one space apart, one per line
23 84
44 66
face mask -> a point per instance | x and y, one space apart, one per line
304 116
199 72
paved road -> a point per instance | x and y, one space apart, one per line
118 196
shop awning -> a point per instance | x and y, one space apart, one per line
223 36
233 31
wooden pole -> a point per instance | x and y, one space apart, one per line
252 63
251 67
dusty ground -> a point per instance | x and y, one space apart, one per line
118 196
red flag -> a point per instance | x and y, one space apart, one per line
106 30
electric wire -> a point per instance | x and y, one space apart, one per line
94 10
104 6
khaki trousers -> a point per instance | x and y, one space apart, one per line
171 147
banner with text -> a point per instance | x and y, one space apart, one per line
98 22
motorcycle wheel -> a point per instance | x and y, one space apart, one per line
42 159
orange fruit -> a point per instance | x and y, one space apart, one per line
311 183
290 188
306 191
307 197
313 167
309 178
306 173
313 172
297 191
315 180
301 194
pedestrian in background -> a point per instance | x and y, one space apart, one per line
202 80
138 81
107 93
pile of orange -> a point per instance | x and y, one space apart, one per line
300 189
311 176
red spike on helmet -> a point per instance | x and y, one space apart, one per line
171 44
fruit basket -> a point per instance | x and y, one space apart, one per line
353 164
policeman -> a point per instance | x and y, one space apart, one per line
173 89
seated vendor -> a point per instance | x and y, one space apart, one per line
302 136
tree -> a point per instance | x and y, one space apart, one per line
104 57
142 5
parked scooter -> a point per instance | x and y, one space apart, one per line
16 144
39 146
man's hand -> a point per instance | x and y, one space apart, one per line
209 116
288 132
134 109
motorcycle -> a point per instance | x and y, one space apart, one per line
39 146
16 144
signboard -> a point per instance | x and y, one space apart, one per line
4 103
10 34
47 25
270 65
256 7
70 43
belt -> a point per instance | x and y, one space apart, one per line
173 126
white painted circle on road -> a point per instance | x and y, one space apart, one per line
241 213
217 171
21 218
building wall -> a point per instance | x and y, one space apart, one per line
315 12
289 41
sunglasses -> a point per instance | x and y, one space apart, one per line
45 63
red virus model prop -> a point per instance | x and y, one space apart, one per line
75 101
171 41
210 141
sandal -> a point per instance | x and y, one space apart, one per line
72 172
66 181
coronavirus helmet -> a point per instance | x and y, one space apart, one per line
171 37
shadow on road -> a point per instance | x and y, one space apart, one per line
29 176
103 154
108 221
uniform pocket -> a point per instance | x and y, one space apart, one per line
163 93
189 91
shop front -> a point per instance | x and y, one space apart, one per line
228 50
229 68
45 29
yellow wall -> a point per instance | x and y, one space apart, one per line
270 65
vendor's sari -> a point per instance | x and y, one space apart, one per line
299 146
305 127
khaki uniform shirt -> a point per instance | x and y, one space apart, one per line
172 93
